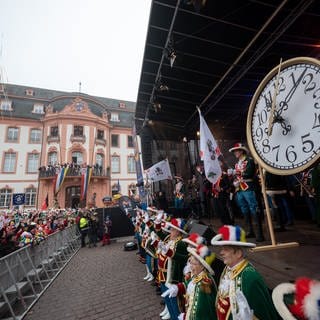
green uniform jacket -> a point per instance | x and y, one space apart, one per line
256 292
201 305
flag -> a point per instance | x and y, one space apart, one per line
159 171
18 199
58 181
45 203
85 180
209 152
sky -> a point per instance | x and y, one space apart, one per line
55 44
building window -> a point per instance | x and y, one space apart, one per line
115 164
99 159
78 131
114 117
52 158
33 162
35 136
6 105
12 134
130 141
38 108
30 196
100 134
77 157
29 92
54 132
9 162
114 140
131 164
122 105
5 197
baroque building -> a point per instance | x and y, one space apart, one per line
44 132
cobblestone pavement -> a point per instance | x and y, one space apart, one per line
100 283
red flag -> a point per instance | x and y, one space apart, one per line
45 203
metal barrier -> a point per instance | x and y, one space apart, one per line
27 272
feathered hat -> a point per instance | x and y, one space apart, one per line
298 301
178 224
194 240
231 236
239 146
203 255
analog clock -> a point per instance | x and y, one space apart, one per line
283 123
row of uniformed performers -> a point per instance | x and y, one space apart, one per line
195 284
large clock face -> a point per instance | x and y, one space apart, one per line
284 137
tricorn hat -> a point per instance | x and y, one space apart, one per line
239 146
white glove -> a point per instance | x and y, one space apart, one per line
187 268
171 292
153 236
163 248
244 313
146 218
181 316
158 218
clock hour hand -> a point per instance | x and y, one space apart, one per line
273 106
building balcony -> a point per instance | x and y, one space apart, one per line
53 139
81 139
101 141
73 171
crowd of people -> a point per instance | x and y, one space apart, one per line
74 169
197 285
238 194
19 228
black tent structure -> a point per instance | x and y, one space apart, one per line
214 54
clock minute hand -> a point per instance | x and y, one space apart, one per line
273 106
284 104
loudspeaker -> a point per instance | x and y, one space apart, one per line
146 147
203 230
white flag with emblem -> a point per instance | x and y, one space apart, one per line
209 152
159 171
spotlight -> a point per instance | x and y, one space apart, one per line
198 133
163 87
171 53
157 106
184 139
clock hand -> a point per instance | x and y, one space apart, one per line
273 106
284 104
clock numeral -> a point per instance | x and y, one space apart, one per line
268 100
310 86
316 95
295 84
308 145
316 121
290 154
277 154
266 147
262 117
259 134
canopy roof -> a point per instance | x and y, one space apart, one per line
223 51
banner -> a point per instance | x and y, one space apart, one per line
85 180
58 181
159 171
18 199
209 152
45 203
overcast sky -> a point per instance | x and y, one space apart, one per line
55 44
